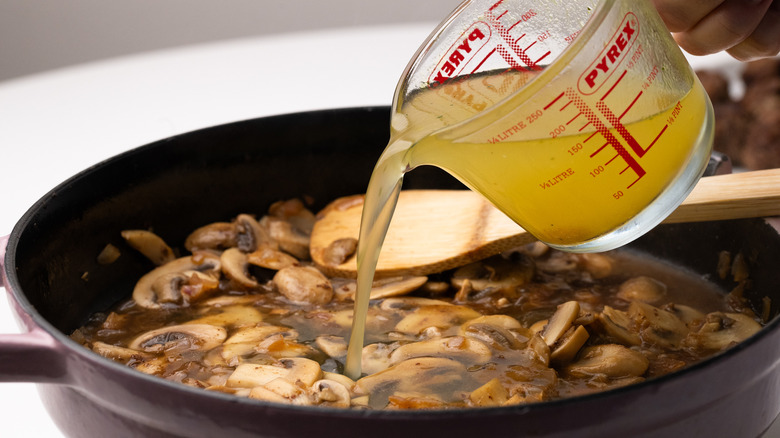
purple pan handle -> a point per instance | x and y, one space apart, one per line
34 356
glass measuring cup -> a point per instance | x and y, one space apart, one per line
581 120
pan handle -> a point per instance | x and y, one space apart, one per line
28 357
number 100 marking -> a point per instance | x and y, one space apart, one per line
597 171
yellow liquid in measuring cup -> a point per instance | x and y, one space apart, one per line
554 189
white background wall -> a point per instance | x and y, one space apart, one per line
39 35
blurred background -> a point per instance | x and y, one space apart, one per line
40 35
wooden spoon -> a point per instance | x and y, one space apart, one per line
436 230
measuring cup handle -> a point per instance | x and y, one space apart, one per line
34 356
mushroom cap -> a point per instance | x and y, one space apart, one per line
465 350
144 294
202 337
235 266
304 285
611 360
149 244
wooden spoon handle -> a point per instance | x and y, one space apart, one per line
732 196
436 230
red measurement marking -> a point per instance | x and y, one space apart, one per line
483 61
599 149
611 140
520 37
578 114
542 57
613 159
496 4
564 107
591 136
657 137
614 85
634 182
504 34
516 23
555 100
529 46
502 14
629 106
583 127
614 121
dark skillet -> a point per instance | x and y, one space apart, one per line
183 182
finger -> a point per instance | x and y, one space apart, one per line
764 41
723 28
680 16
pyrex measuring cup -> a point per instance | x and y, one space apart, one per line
579 119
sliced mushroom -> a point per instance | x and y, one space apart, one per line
117 353
500 332
344 380
269 258
410 303
250 235
333 346
612 360
491 393
150 245
339 251
381 288
465 350
250 375
330 393
560 322
304 285
421 374
442 317
257 334
619 326
184 287
569 345
294 212
199 337
376 357
302 370
642 288
153 366
290 239
721 330
265 394
495 272
539 349
598 265
278 346
143 293
687 314
463 293
236 267
297 369
657 326
234 316
558 262
217 235
109 254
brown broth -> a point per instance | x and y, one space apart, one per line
486 366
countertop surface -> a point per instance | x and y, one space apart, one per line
55 124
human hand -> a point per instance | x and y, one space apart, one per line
746 29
